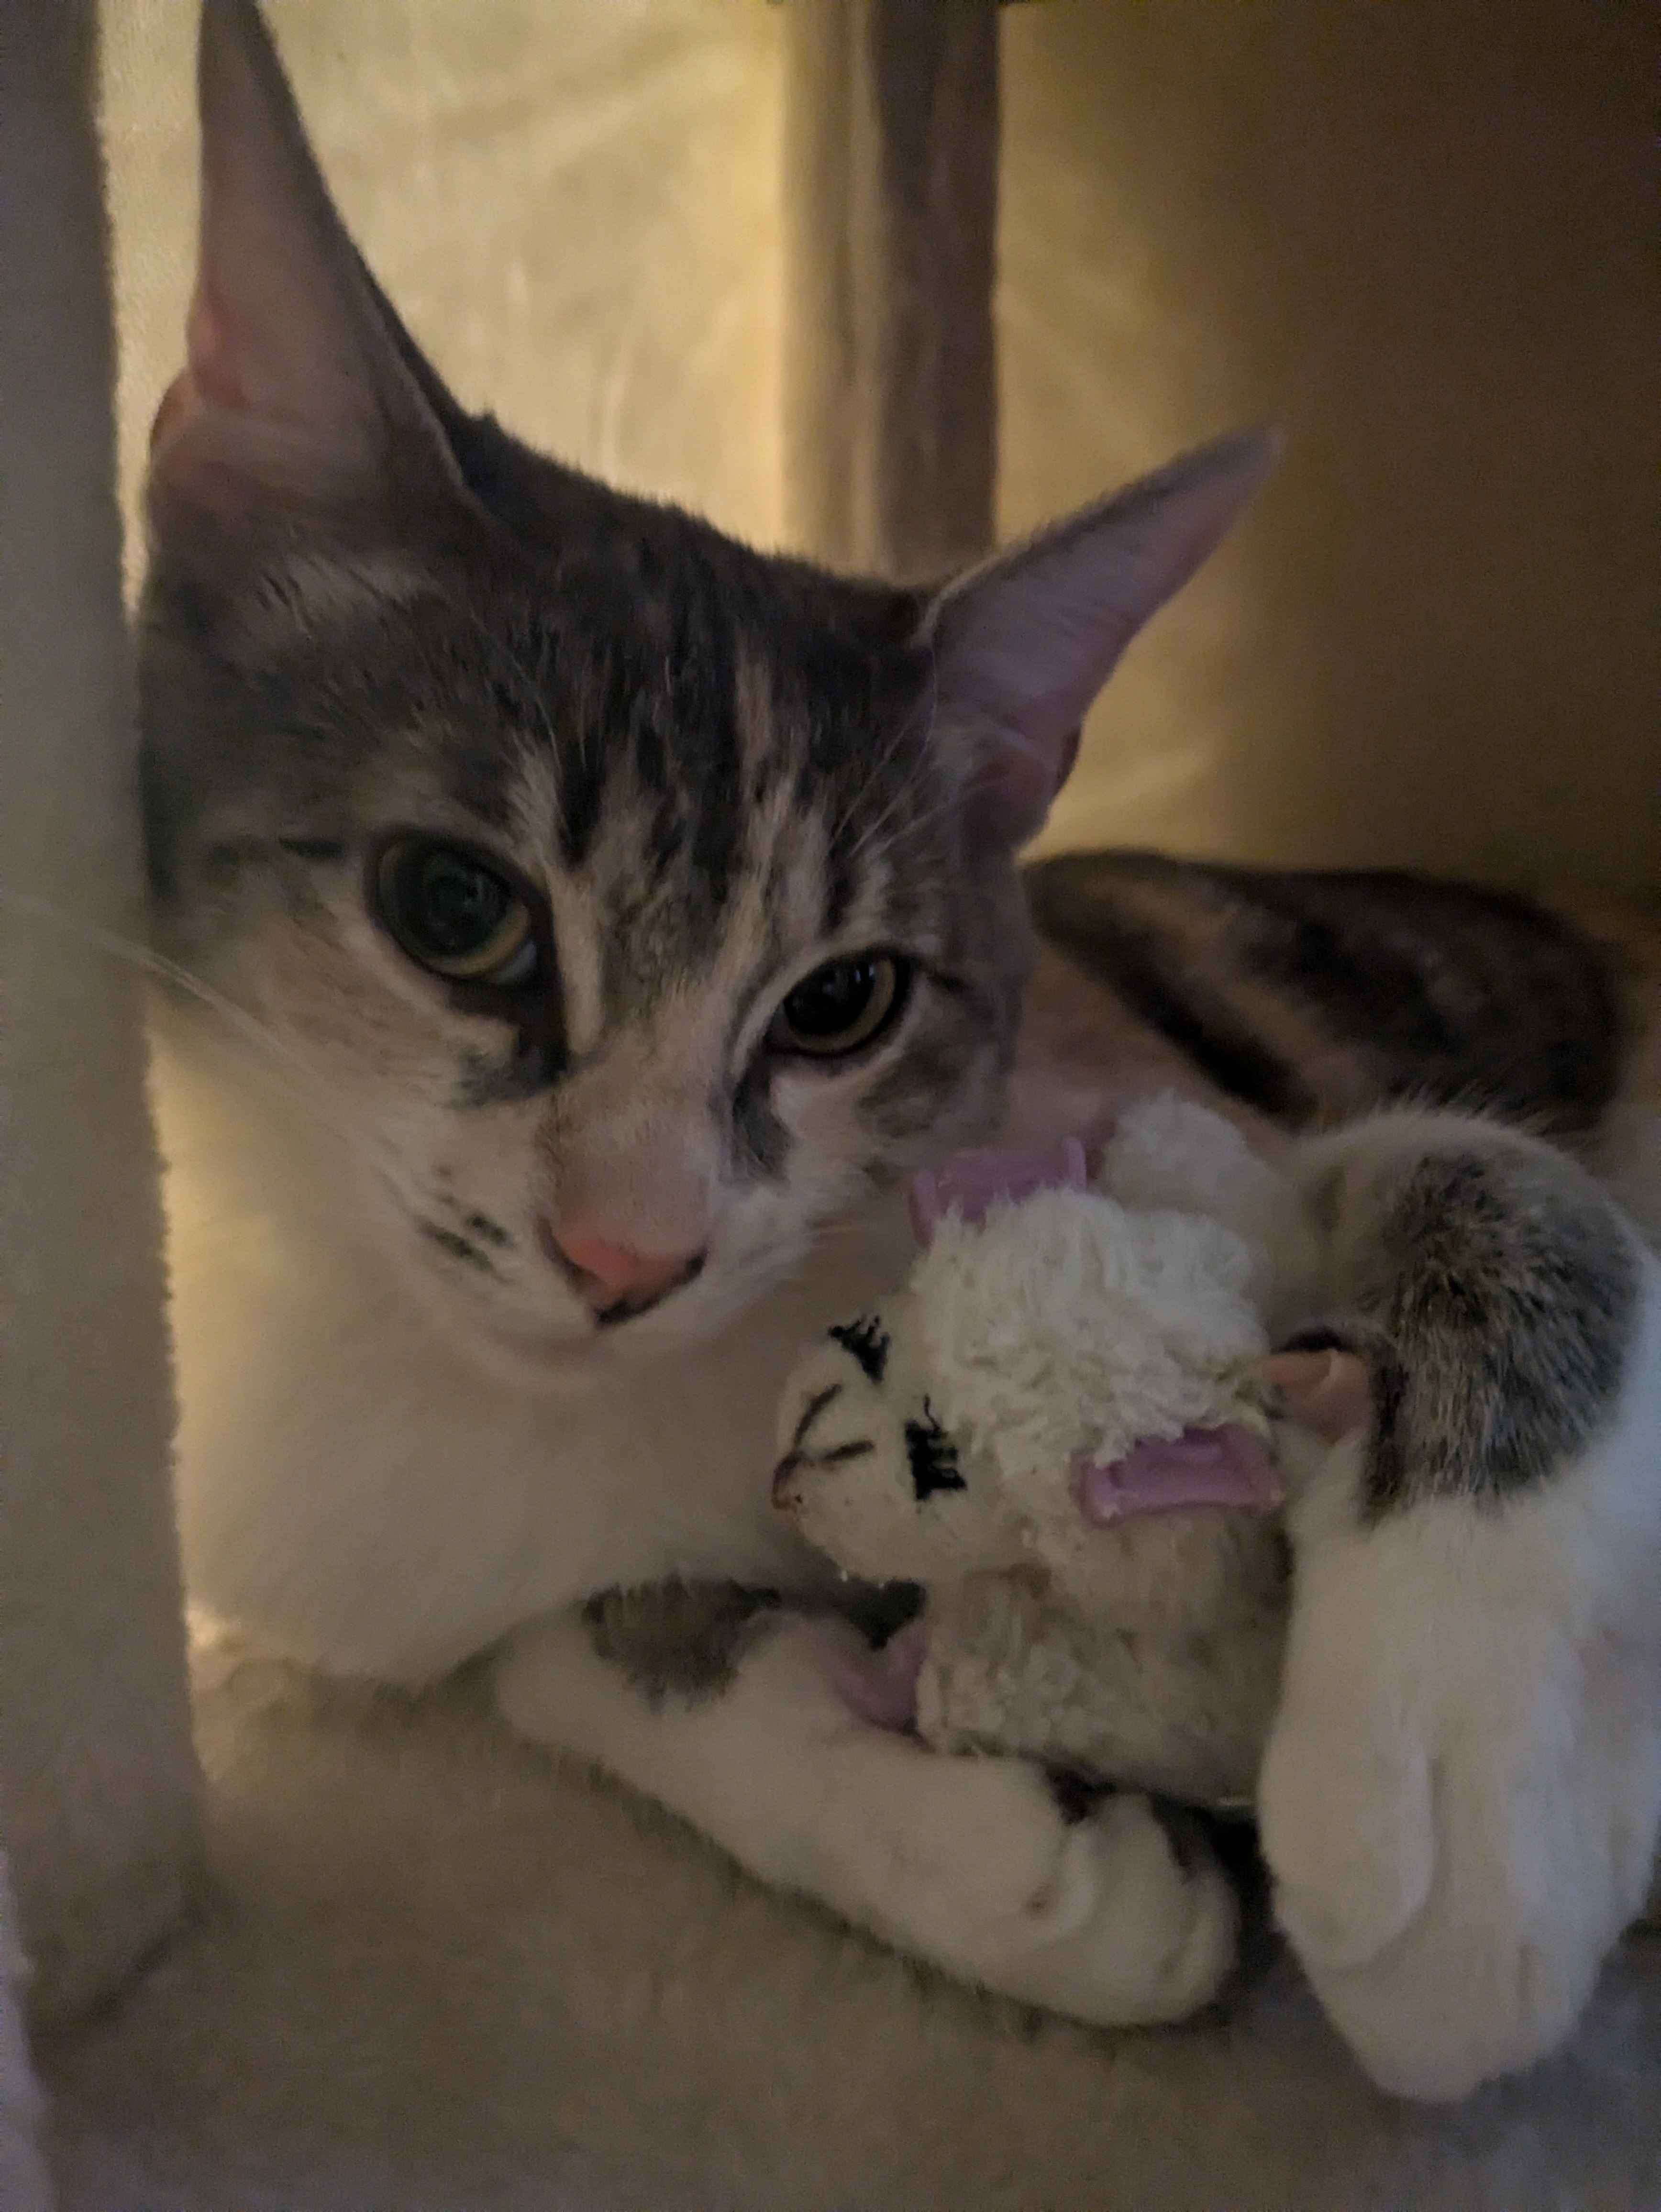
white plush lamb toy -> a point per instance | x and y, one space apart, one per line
1058 1428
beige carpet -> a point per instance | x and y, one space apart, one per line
439 1974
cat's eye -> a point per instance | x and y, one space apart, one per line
842 1006
454 914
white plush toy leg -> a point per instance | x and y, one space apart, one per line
23 2177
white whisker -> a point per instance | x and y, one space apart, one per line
900 735
301 1083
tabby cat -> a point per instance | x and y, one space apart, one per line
601 918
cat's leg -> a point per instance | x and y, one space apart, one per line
1461 1795
970 1863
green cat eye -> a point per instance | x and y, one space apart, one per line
454 914
846 1003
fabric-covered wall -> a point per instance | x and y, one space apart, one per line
576 207
1421 239
1410 235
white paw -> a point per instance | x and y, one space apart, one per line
968 1863
1346 1821
1458 1802
1100 1918
1157 1923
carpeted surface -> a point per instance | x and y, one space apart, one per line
439 1974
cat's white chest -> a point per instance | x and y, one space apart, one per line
353 1488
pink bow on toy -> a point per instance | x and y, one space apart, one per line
968 1184
1226 1465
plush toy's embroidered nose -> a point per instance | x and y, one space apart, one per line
969 1184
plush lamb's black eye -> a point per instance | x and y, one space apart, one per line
454 914
933 1456
844 1005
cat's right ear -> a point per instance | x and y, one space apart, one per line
1022 644
295 393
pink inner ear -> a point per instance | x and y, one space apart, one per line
1225 1466
972 1181
1014 787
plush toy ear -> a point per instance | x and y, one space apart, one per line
297 385
971 1181
1023 644
1224 1466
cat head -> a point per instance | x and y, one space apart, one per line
635 902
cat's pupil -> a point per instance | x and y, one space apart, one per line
832 999
454 915
845 1004
458 906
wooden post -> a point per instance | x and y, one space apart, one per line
890 201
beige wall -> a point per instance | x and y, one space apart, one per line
575 203
1419 234
1414 232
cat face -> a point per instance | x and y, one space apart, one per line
634 903
613 895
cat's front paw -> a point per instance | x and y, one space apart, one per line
1460 1795
1117 1918
971 1864
1153 1919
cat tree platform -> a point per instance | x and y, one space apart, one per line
434 1970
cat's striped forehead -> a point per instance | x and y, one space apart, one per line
690 767
707 806
698 765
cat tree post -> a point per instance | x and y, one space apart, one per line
98 1780
891 126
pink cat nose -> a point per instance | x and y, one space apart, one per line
614 1280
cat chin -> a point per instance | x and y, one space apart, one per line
546 1357
562 1366
552 1366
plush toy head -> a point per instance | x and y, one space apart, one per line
1049 1338
869 1471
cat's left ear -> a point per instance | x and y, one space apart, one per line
1023 643
300 389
